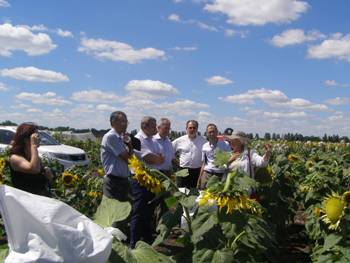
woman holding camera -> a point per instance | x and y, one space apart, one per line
27 171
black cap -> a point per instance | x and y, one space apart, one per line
228 131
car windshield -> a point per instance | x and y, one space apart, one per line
46 139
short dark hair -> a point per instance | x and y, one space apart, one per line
145 121
163 120
212 125
193 121
116 115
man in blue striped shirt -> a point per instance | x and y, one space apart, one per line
115 152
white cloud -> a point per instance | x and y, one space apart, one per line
4 3
337 46
204 114
258 12
218 80
21 106
3 87
274 98
333 83
34 74
233 33
266 95
202 25
186 104
39 27
174 17
302 104
43 28
64 33
13 38
93 96
182 107
106 107
118 51
339 101
285 115
48 98
34 110
184 48
295 37
154 88
83 108
178 1
336 117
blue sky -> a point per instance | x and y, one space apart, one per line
253 65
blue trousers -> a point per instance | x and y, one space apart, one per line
142 223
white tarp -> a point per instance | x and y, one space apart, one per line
41 229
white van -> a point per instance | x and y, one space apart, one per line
49 148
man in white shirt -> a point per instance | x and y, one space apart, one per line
208 156
189 148
143 209
165 145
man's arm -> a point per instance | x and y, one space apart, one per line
119 149
199 181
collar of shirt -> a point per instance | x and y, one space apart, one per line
192 139
116 133
158 137
213 146
143 135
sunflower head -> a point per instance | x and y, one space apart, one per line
309 165
144 176
94 194
100 172
206 198
134 163
293 157
333 209
2 163
264 175
346 197
69 179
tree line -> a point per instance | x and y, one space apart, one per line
175 134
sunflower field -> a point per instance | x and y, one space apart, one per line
236 220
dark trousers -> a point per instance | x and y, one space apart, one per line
142 224
189 181
117 188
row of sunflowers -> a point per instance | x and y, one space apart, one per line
226 223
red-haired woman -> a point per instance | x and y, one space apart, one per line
27 172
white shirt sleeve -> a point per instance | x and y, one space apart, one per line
257 160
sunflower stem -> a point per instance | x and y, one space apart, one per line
167 178
237 237
188 219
